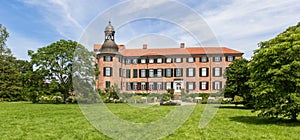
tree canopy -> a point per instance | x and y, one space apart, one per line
53 67
275 75
237 76
10 85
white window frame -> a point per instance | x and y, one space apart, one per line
168 85
151 60
191 72
217 72
143 61
204 59
151 73
159 73
108 58
128 61
178 60
191 86
159 86
107 71
143 73
217 58
169 60
190 59
217 85
159 60
134 61
151 85
178 72
203 72
168 72
135 86
229 58
143 86
203 85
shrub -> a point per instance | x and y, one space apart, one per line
169 103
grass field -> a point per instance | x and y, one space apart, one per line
43 121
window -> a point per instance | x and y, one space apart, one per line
143 61
127 73
128 61
190 85
168 72
143 86
159 60
107 58
191 59
168 60
159 73
178 60
190 72
107 84
135 87
159 86
203 59
120 72
151 60
217 59
203 85
178 72
107 71
135 73
128 86
168 85
134 61
217 72
217 85
229 58
151 73
143 73
203 72
151 86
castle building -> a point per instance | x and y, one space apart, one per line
145 70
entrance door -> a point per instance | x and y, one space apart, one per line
178 85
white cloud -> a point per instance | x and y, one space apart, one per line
243 24
237 24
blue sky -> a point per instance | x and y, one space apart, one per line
235 24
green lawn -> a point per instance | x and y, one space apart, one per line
43 121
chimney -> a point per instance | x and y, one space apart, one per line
144 46
121 47
181 45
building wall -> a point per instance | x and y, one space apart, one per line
119 62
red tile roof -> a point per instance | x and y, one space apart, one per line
174 51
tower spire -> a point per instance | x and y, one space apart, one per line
109 45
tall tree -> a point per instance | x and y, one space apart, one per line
275 75
237 75
10 85
53 65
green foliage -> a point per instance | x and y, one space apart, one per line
112 95
53 67
171 92
237 76
10 84
275 75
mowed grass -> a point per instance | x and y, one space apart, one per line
46 121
